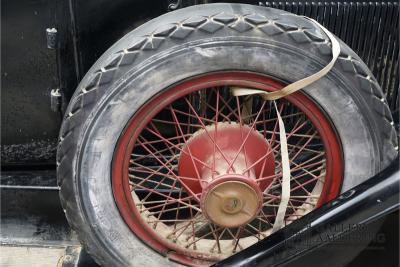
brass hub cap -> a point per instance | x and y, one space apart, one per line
231 201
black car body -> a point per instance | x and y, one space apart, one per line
49 45
37 61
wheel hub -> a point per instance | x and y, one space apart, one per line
230 195
231 200
227 148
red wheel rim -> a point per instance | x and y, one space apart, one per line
156 199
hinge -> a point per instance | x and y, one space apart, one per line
55 100
174 4
51 36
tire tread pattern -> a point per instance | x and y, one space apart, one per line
295 27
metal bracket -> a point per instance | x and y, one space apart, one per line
174 5
51 36
55 100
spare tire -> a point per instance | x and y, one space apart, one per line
157 161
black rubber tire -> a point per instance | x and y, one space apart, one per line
186 43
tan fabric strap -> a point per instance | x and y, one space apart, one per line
285 195
293 87
287 90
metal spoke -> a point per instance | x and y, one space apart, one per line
208 134
184 139
175 207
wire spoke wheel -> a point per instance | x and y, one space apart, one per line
197 172
160 165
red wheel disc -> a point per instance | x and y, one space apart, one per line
178 182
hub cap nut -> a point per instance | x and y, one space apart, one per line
231 203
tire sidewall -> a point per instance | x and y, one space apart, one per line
333 93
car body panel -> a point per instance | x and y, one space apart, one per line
86 29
